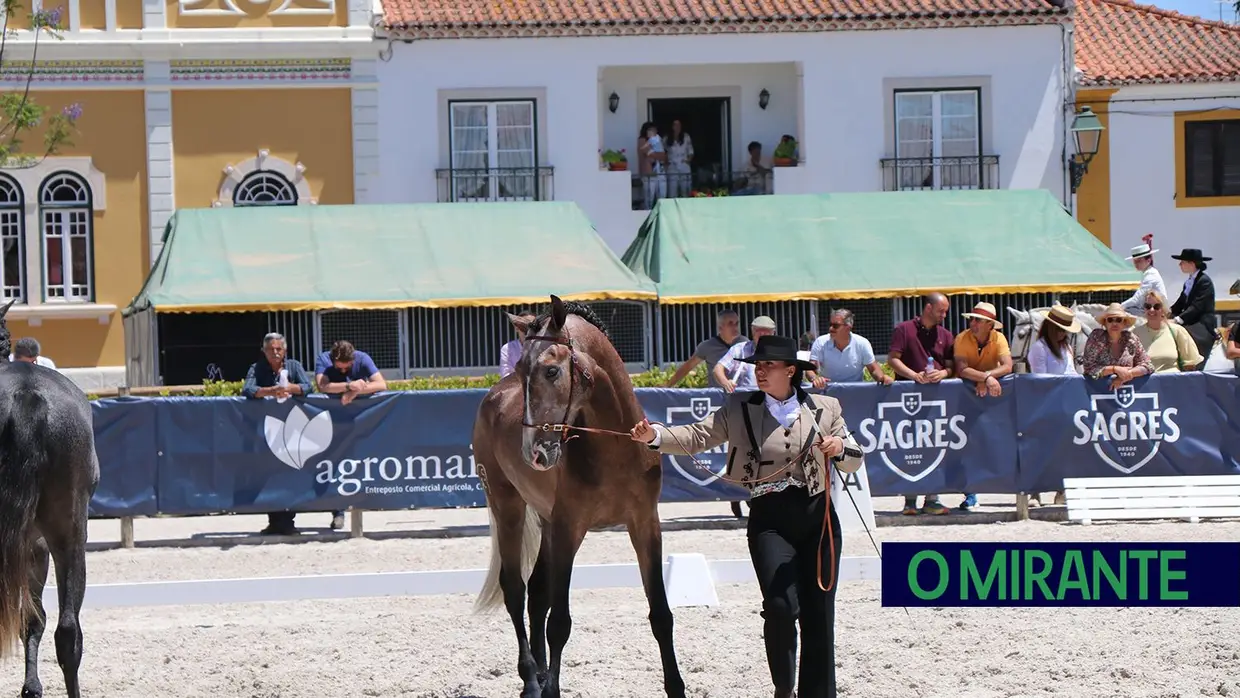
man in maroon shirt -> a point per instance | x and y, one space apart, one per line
921 351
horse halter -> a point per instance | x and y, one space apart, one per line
575 366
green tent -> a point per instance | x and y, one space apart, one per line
870 245
383 256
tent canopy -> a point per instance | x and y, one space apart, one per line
383 256
870 245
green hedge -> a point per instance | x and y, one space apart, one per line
653 378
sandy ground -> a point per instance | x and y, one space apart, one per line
433 647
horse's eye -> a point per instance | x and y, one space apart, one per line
553 372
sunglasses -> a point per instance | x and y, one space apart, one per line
1115 321
836 325
1153 306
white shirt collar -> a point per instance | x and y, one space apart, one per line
784 411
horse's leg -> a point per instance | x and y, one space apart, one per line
566 537
32 634
539 606
68 548
647 538
512 517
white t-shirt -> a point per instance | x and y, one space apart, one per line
40 360
1041 360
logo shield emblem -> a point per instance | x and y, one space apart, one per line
912 464
1133 453
911 404
716 460
699 407
1125 396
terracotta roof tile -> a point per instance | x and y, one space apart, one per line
1120 42
703 15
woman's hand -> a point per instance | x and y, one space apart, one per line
642 432
831 446
1121 376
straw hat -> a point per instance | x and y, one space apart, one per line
985 311
1061 317
1116 310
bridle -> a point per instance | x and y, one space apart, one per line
575 367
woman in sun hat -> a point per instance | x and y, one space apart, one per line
1051 354
1113 349
1142 257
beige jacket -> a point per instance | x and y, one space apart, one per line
779 445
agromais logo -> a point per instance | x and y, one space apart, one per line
298 438
1136 433
913 441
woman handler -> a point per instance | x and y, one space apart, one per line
781 439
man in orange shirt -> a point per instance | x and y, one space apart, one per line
982 356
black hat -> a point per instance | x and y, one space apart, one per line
1191 255
775 348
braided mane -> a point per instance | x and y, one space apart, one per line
579 309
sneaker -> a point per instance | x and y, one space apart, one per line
910 510
337 521
1035 501
279 530
1061 498
935 508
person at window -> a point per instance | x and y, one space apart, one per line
1170 347
783 441
1113 350
28 349
842 357
981 354
510 353
679 159
1143 259
652 164
1194 309
1051 354
263 380
757 174
732 372
712 349
921 351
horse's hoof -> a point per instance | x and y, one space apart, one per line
35 691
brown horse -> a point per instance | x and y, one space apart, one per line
546 487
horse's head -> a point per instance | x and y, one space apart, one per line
5 344
557 375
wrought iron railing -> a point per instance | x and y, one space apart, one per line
972 172
496 184
649 188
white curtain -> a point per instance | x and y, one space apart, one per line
493 154
938 125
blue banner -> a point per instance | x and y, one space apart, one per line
184 455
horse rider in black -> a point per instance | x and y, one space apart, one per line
1194 309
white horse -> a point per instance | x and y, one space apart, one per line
1029 323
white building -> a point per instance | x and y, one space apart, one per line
1167 89
471 93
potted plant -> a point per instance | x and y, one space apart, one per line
785 154
616 161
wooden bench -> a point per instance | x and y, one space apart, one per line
1191 497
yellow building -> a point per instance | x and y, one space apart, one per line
185 103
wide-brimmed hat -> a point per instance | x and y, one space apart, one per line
1191 254
1116 310
1062 318
1142 250
775 348
985 311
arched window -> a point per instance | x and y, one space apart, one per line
12 240
66 214
265 188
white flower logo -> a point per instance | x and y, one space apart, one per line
298 439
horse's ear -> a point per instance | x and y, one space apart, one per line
558 314
522 324
5 310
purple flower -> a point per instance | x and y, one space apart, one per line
49 18
72 112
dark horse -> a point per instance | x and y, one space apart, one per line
48 474
546 487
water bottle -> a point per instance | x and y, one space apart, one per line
283 383
929 364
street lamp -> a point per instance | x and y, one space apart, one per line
1087 132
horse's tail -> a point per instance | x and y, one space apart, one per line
492 594
22 455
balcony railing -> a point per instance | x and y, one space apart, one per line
496 184
972 172
649 188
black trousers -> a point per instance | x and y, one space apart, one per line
785 532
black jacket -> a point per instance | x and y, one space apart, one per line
1197 308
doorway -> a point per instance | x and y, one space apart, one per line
708 121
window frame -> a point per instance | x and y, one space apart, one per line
936 116
288 186
19 207
492 138
67 259
1187 128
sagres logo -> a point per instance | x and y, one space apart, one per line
298 438
1136 429
912 436
716 458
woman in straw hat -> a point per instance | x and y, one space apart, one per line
1051 353
1113 350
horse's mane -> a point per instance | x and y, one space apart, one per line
582 311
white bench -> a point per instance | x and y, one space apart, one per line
1191 497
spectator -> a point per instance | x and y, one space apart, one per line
510 353
757 174
347 372
263 381
1113 350
731 373
804 345
1143 259
921 352
1051 354
1170 347
842 356
728 333
27 349
982 355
